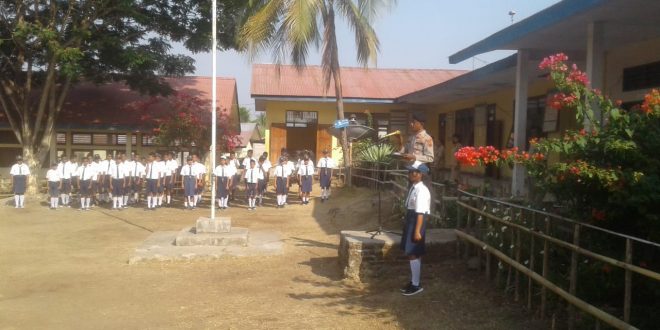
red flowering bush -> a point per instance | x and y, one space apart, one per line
184 121
608 172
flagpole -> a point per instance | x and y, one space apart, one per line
214 99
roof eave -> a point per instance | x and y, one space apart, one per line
543 19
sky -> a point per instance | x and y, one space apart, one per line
415 34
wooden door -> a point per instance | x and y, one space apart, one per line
323 140
277 141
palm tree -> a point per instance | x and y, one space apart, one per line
290 27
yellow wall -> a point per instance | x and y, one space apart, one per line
327 115
629 56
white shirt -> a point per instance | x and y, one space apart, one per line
154 170
74 169
325 162
98 169
419 198
53 176
253 175
282 171
234 163
225 171
65 170
118 171
292 167
201 169
137 170
21 169
106 165
87 172
171 166
306 169
265 166
187 170
247 160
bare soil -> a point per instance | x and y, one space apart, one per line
67 269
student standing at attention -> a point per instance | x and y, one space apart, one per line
19 173
262 184
201 178
189 180
153 175
305 178
65 169
86 175
54 185
117 174
418 208
223 175
252 176
325 166
281 181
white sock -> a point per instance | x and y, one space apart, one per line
88 201
160 200
416 270
21 200
169 199
195 200
136 197
56 201
125 200
120 201
148 202
114 202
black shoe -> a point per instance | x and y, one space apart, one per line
413 290
406 287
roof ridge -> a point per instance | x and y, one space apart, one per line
358 68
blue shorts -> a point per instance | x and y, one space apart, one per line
53 188
85 189
251 190
408 244
152 186
280 186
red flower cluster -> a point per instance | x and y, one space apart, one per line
577 76
473 156
651 101
597 215
555 62
560 101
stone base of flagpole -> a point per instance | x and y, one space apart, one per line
208 239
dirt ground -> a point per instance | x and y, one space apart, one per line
67 269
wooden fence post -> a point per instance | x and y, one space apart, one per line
628 285
573 276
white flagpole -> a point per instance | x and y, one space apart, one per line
214 98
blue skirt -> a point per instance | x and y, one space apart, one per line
408 244
280 186
306 184
53 188
189 185
221 188
324 177
117 187
20 183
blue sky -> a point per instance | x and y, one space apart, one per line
415 34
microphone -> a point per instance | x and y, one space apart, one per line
397 132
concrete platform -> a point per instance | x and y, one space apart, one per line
159 246
190 237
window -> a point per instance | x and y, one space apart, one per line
61 138
121 139
535 116
148 140
80 138
301 118
100 139
465 126
641 77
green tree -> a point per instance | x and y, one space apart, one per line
244 115
47 46
290 28
260 119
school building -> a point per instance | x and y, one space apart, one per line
616 42
107 118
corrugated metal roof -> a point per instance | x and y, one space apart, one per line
358 83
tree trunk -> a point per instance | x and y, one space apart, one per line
34 163
348 162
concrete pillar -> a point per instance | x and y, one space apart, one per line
129 145
520 121
595 62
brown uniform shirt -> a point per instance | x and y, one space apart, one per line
421 146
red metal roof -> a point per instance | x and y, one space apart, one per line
114 104
360 83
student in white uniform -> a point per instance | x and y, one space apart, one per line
306 178
224 175
233 162
246 161
86 176
160 162
105 180
153 174
65 168
262 184
20 173
267 166
189 181
97 181
325 166
54 185
252 176
137 178
282 174
75 163
117 175
201 180
171 167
